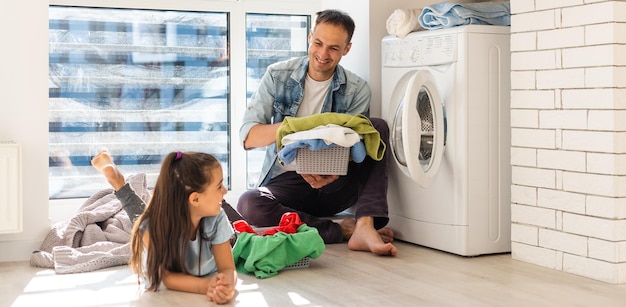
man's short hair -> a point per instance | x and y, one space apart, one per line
337 18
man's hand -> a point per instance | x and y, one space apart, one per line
319 181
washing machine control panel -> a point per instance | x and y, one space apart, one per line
420 49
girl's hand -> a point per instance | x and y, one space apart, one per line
220 290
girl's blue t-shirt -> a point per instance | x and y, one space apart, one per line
218 230
213 230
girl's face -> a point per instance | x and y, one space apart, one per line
210 201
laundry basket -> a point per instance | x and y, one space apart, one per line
301 264
328 161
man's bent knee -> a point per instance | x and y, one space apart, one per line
251 205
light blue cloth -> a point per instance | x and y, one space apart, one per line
289 152
358 152
448 14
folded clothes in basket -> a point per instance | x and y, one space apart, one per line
322 137
374 145
288 153
329 134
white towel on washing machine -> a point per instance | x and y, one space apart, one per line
403 21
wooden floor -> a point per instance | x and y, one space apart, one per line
418 276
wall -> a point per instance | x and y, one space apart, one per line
569 136
24 119
371 23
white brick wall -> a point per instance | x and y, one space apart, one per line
535 138
607 207
531 99
561 200
568 136
563 119
601 98
562 241
607 120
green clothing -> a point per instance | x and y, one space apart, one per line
374 146
266 255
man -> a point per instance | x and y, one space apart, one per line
306 86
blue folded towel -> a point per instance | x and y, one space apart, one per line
448 14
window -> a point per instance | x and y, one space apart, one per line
145 82
271 38
141 83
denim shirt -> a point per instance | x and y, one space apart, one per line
281 91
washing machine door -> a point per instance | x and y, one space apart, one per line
418 131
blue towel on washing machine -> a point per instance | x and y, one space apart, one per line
448 14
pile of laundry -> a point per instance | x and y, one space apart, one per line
448 14
276 248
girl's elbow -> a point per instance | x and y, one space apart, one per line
167 283
167 280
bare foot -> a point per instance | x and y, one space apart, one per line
347 228
362 236
348 225
104 164
386 234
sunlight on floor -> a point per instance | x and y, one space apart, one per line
251 294
84 289
119 287
298 300
253 299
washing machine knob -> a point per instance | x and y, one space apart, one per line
396 54
415 54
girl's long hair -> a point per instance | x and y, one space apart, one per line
168 217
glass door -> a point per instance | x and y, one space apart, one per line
418 131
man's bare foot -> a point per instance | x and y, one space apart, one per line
347 228
362 236
348 225
386 234
104 164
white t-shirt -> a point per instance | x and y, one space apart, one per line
312 102
314 95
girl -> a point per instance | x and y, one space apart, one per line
183 235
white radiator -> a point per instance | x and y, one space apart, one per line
10 187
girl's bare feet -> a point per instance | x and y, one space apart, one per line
362 236
104 164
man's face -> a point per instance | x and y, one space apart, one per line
327 44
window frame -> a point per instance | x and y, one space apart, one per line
237 10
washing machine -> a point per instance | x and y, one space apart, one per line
445 96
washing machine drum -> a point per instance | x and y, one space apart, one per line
418 131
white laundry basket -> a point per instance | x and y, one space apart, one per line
328 161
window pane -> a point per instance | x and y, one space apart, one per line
141 83
271 38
